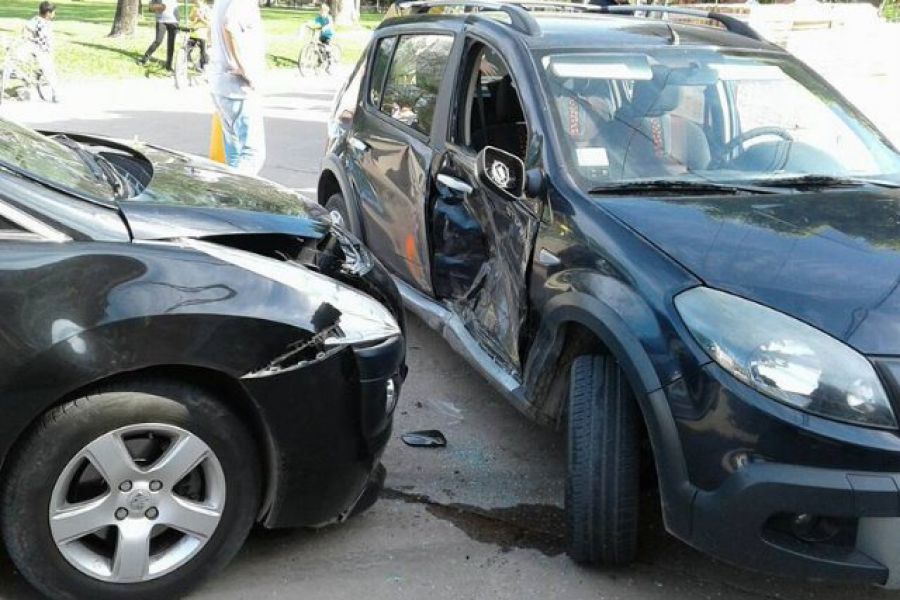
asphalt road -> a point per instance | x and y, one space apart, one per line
480 518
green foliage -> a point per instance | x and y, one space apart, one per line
83 50
890 10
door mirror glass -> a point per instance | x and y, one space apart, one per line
501 172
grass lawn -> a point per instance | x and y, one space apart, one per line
83 51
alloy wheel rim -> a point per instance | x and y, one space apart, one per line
137 503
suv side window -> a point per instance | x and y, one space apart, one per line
380 63
413 81
490 112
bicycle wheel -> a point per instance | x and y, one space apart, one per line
43 87
334 57
181 68
309 62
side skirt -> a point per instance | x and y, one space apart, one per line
452 329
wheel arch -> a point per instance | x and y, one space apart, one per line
220 385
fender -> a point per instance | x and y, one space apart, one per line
676 491
332 164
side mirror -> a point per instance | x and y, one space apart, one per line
501 172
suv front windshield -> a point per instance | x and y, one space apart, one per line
62 164
705 115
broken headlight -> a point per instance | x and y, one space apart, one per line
357 258
785 358
344 315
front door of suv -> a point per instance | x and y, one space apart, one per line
391 151
482 241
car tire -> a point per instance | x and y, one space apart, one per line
603 447
44 473
337 210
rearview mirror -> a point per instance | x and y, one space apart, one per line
501 172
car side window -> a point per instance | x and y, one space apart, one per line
490 112
383 52
414 78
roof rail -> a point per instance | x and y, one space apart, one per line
519 18
732 24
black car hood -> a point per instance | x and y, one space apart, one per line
190 196
831 258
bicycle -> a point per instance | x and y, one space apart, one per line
187 70
22 73
315 56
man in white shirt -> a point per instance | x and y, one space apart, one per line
166 26
236 68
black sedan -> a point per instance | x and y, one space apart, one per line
185 352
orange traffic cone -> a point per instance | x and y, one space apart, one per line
217 140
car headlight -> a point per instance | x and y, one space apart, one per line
348 316
786 359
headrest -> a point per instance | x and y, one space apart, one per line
650 100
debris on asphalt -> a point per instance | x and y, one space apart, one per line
431 438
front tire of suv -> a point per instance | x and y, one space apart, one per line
603 446
135 491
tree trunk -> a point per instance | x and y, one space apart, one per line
125 21
346 12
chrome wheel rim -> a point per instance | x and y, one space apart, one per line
137 503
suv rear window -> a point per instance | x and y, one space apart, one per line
411 89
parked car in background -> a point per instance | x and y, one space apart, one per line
672 240
184 352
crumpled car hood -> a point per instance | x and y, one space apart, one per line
190 196
831 259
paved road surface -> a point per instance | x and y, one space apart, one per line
479 519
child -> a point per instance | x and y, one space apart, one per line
324 24
198 21
39 33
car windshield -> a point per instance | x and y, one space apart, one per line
57 161
680 114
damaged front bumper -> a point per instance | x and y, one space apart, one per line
331 419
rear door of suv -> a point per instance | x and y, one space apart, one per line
390 145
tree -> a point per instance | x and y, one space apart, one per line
346 12
125 21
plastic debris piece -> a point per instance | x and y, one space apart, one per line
431 438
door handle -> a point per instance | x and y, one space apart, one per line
357 143
452 183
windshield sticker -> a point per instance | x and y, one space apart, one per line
592 157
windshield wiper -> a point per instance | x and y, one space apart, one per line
678 186
812 182
99 167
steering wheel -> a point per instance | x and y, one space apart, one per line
743 138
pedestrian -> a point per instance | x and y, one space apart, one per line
166 26
198 22
39 33
236 68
